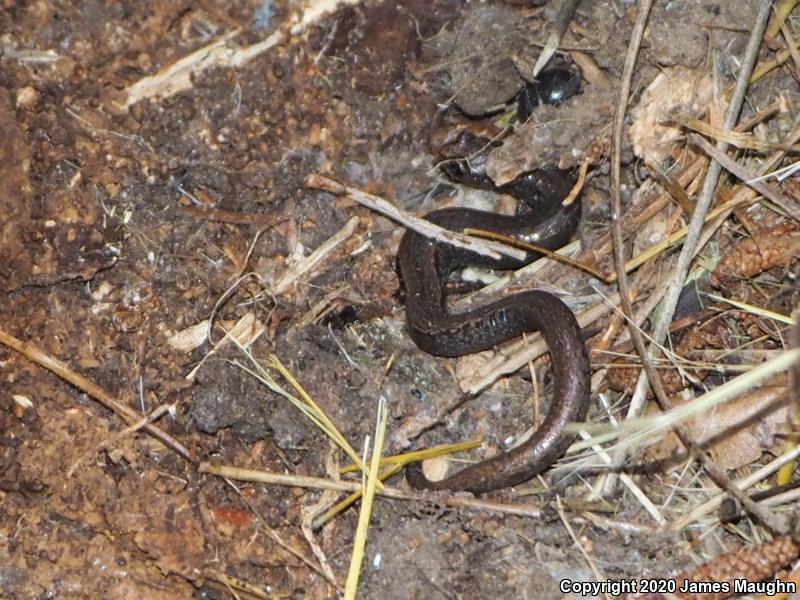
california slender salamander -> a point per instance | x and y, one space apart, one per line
425 267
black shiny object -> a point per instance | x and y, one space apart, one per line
552 87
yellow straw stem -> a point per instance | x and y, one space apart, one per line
360 543
432 452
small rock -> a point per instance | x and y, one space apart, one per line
27 97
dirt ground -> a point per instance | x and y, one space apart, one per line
131 213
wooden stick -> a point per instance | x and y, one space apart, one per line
61 369
426 228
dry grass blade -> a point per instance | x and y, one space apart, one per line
340 507
628 481
245 332
360 542
672 187
274 362
766 66
432 452
637 431
713 504
680 272
298 481
672 240
576 540
775 195
392 465
306 405
781 12
309 263
791 45
527 510
745 141
753 310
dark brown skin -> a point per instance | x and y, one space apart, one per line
425 267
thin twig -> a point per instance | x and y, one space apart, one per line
681 270
310 262
637 492
520 276
527 510
275 536
557 30
749 178
576 540
223 53
421 226
92 389
113 440
633 433
684 261
616 200
713 504
326 515
777 524
546 252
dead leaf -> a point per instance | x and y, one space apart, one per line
676 90
740 431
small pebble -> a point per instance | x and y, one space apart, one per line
27 97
